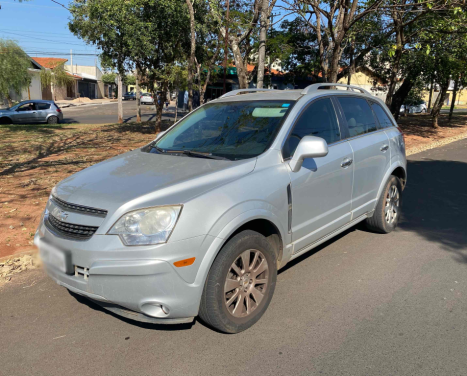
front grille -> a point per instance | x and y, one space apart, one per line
71 229
79 208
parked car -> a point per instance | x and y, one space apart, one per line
198 221
147 98
32 111
131 95
414 107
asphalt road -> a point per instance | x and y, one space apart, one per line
107 113
361 304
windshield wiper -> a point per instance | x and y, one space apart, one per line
203 155
190 153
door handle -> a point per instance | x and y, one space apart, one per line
384 148
346 162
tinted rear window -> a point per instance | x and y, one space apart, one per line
42 106
383 118
357 112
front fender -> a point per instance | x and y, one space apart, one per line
224 228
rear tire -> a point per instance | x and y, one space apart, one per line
240 284
388 210
52 120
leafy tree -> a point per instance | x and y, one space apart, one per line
56 77
14 65
109 78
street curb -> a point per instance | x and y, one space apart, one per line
435 144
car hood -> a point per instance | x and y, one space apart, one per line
139 179
5 111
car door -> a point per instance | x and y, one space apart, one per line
371 152
43 109
26 113
321 190
396 139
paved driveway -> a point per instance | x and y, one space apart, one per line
362 304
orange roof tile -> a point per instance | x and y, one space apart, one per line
49 62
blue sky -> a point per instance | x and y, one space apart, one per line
40 27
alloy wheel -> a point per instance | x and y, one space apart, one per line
246 283
391 210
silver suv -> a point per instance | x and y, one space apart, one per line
199 221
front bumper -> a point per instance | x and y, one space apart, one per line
140 283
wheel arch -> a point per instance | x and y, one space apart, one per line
260 220
396 169
2 120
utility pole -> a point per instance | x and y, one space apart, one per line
226 44
119 93
71 61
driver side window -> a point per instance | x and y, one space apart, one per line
26 107
318 119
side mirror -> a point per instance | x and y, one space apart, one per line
309 147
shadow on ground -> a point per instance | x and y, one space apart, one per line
435 204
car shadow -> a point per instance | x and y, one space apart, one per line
435 204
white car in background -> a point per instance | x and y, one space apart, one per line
416 107
147 98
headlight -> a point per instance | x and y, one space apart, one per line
146 226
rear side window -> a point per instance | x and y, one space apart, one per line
383 118
357 112
318 119
42 106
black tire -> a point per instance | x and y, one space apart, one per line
213 309
52 120
5 121
387 213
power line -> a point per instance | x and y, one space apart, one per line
48 40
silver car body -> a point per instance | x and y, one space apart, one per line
147 98
414 108
323 198
32 111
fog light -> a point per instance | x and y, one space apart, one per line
154 309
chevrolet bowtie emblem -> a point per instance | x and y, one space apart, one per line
63 215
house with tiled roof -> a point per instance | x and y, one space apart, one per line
57 93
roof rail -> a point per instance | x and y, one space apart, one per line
315 87
235 92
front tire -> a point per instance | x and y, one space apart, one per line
387 213
240 284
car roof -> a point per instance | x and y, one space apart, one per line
37 101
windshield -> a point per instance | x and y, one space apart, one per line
233 130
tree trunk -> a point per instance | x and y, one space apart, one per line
453 101
262 43
397 57
336 55
176 105
10 102
431 94
241 71
400 95
120 103
439 103
352 62
138 98
192 55
160 105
